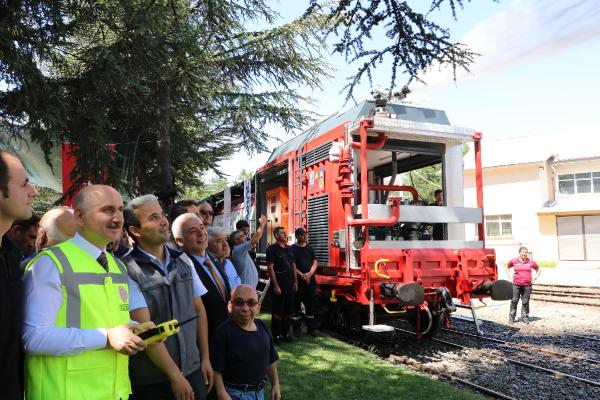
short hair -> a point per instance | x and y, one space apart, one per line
212 231
438 191
241 224
25 224
53 229
523 248
180 208
179 221
277 229
4 178
129 211
203 203
234 236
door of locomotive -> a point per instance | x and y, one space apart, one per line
277 211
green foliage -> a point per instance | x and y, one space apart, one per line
46 199
547 264
415 43
426 180
178 86
244 175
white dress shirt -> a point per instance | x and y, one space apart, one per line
232 275
43 299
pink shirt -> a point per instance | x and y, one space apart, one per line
522 275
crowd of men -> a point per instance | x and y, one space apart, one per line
80 284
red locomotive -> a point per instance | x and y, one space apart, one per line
336 180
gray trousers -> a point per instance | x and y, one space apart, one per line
523 292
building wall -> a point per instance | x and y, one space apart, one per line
521 191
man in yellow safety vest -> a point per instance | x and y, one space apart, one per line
77 333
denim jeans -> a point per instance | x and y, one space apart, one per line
241 395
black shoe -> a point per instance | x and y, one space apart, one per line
278 339
297 332
312 333
290 338
526 320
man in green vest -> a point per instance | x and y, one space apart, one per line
77 333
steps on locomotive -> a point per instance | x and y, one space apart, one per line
264 280
378 328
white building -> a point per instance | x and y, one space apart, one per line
542 192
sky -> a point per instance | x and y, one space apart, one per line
537 73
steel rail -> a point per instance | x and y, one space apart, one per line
567 294
584 337
578 303
414 364
522 346
521 363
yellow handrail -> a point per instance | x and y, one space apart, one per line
376 268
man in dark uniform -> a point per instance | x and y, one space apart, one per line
439 230
306 266
280 264
16 195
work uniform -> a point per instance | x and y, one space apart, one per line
304 256
168 292
282 305
521 286
70 360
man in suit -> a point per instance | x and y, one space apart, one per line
190 235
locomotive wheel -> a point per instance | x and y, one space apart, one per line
437 322
346 317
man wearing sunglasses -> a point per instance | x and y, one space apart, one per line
206 213
243 351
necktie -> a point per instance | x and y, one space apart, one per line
103 261
216 276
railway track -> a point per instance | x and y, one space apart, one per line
552 373
578 295
416 365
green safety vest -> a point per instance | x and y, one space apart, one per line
92 298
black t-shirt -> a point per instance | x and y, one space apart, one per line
242 356
303 256
11 319
283 261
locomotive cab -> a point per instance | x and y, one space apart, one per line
347 182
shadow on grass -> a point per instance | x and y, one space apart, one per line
325 368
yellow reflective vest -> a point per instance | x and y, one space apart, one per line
92 298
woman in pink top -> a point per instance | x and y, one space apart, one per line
522 281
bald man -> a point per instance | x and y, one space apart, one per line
77 334
56 226
243 352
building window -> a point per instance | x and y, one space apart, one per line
498 225
587 182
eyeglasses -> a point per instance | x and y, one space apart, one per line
240 302
204 212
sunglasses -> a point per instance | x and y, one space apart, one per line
240 302
207 212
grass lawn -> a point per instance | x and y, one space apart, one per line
327 369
